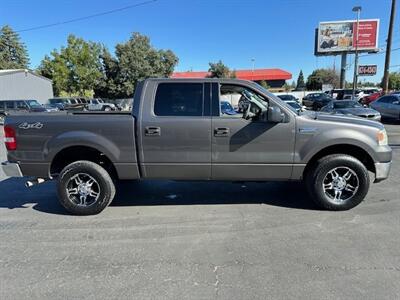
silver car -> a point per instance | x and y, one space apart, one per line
388 106
351 107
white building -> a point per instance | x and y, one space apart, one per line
20 84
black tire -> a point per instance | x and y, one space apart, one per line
107 108
318 175
104 182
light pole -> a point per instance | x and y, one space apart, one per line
356 9
253 60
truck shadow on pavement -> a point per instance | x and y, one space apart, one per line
43 197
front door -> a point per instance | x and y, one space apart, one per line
245 147
176 132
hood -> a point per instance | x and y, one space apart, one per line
360 111
346 119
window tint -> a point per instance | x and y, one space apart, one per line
386 99
10 104
21 105
1 104
179 99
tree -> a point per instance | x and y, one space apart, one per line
286 87
300 82
293 85
135 61
74 69
394 81
322 76
13 53
264 84
220 70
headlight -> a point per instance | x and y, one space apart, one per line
382 137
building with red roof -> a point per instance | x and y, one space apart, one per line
275 78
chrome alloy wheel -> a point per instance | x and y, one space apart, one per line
340 184
83 189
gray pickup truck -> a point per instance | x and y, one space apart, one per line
178 131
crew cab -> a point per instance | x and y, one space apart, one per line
177 131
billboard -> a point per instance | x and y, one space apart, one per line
340 36
367 70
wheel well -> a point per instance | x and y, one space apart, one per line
75 153
351 150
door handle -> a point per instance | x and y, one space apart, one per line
221 131
152 131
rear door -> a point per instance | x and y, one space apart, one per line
175 130
249 149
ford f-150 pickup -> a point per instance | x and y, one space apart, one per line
177 131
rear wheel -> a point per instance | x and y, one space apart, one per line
85 188
338 182
107 108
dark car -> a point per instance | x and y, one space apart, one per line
388 106
227 108
316 101
68 103
350 107
19 105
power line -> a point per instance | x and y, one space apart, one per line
88 17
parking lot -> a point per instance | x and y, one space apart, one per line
174 240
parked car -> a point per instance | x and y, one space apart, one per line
316 101
288 97
99 105
68 103
19 105
351 107
51 107
227 108
294 104
124 104
176 132
348 94
371 98
388 106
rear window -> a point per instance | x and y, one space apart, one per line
179 99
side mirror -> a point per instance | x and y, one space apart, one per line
275 114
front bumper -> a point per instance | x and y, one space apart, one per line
382 171
11 169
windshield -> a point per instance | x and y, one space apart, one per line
33 103
346 104
287 105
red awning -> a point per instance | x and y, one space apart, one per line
257 74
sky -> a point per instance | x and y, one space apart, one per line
275 33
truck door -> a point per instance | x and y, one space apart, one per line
249 149
175 131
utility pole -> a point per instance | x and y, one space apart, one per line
343 70
358 10
388 49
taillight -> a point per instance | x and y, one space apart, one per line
9 138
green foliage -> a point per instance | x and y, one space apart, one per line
220 70
300 82
74 69
322 76
287 87
13 53
135 61
394 81
264 84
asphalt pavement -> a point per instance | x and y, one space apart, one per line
196 240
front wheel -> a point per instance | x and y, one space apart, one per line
338 182
85 188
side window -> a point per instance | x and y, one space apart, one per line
179 99
21 105
241 102
384 99
1 105
9 104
